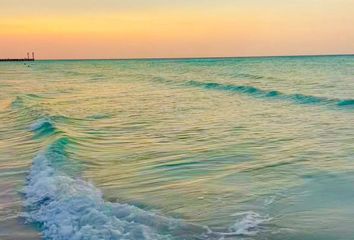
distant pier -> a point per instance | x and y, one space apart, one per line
18 59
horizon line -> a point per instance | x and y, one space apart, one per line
208 57
191 58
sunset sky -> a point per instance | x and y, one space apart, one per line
184 28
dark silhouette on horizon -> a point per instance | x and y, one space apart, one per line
18 59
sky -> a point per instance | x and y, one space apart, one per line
87 29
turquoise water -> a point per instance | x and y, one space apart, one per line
244 148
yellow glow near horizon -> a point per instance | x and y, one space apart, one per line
225 29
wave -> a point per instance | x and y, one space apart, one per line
348 102
43 127
27 106
17 102
98 116
247 75
65 207
273 94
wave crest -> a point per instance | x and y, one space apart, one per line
273 94
71 208
42 127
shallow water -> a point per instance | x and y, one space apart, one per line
247 148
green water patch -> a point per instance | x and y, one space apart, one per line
273 94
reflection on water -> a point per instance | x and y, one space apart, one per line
258 148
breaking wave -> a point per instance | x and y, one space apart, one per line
43 127
70 208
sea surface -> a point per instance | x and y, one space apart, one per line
236 148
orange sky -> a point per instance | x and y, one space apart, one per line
159 28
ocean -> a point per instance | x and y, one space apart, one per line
234 148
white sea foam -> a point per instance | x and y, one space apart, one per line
72 209
270 200
248 223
